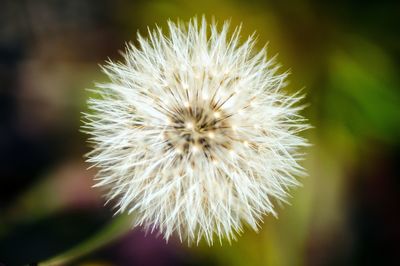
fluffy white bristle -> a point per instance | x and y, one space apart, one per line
193 133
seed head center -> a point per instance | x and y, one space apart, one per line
198 130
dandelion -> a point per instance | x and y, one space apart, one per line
193 133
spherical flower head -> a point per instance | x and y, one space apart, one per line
193 134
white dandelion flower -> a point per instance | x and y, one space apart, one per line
193 133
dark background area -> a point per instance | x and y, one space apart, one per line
346 54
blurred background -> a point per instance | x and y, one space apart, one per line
346 56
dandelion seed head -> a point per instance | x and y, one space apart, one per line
193 133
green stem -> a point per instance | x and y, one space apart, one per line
117 227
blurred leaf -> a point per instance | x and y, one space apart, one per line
364 92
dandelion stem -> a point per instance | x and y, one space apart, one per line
116 228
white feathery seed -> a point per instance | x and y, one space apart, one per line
193 133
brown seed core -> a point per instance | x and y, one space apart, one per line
198 130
